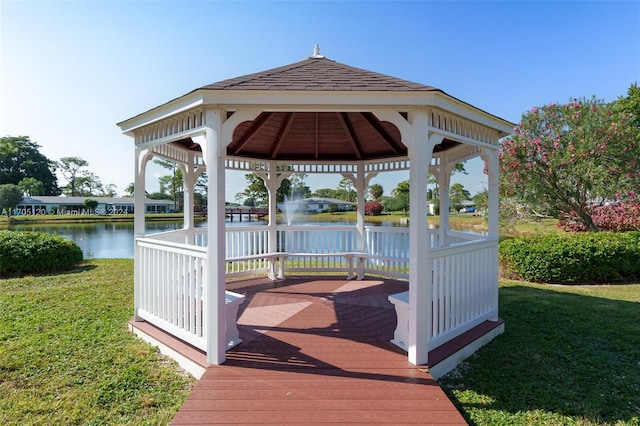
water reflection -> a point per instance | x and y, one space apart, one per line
115 239
101 240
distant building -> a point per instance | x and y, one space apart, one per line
314 205
39 205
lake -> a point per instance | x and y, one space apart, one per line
115 239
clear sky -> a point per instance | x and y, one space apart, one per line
71 70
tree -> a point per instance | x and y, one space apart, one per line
130 189
324 193
71 169
630 104
399 200
376 191
10 197
21 159
481 200
172 183
109 190
570 158
91 204
284 190
256 191
346 191
298 188
31 186
86 185
457 194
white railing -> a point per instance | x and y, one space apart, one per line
170 288
315 248
245 250
464 288
171 273
388 251
195 236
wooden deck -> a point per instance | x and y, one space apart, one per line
316 350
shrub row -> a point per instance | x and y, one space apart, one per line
572 259
29 252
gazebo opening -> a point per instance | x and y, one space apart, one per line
318 116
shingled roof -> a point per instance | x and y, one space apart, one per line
340 135
318 73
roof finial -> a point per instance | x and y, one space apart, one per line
316 52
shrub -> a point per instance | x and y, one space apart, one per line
572 259
28 252
373 208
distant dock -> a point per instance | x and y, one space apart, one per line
240 212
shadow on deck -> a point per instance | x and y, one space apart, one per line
317 350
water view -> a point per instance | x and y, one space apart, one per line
115 239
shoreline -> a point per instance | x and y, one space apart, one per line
477 224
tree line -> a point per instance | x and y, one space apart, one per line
566 161
24 170
294 187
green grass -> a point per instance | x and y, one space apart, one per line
66 356
568 356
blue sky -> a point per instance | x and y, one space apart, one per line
70 70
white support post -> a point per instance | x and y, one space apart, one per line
272 184
272 181
189 177
139 206
491 159
444 182
214 291
420 153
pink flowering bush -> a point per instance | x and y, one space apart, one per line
563 157
373 208
615 217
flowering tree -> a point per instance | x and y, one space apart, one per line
568 158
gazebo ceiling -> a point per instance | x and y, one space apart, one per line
321 136
317 136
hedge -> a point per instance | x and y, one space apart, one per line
600 257
23 252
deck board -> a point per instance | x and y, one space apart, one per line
316 350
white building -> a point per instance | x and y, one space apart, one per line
314 205
40 205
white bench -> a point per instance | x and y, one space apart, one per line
276 269
232 302
277 261
348 255
361 257
401 334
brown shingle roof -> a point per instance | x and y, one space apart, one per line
319 74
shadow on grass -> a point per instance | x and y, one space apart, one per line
78 269
562 355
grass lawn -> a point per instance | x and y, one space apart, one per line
569 355
66 356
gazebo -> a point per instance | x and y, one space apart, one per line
316 116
